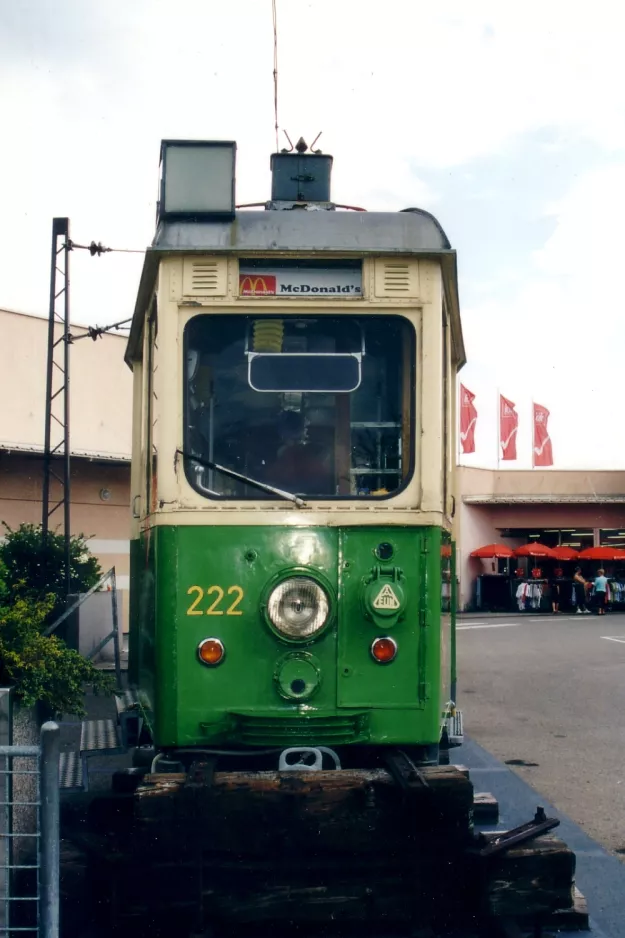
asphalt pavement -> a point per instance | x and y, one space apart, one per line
546 696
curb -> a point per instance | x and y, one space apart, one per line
505 615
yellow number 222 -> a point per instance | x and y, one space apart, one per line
217 594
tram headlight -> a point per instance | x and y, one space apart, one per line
298 607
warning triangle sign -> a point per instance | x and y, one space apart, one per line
386 599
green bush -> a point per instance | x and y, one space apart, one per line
42 668
4 590
32 595
35 568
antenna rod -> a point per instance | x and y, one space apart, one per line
275 66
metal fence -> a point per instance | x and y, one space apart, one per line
29 837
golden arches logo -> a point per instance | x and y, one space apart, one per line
251 285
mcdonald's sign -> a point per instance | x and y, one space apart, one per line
257 285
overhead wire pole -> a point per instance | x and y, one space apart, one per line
57 416
57 449
57 395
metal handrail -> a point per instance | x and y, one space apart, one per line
52 628
113 634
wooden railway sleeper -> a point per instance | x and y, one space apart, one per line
203 772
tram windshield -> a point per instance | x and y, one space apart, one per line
318 406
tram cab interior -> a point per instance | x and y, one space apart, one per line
317 405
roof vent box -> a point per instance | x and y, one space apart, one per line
300 177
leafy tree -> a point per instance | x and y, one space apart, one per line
35 567
40 667
4 590
32 595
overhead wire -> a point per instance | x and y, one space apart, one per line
100 249
95 332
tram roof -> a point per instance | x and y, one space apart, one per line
319 232
412 231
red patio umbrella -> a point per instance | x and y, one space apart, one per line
490 551
535 549
565 553
602 553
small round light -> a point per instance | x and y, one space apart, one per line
298 607
383 650
211 652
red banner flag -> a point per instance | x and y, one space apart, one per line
468 419
508 426
542 454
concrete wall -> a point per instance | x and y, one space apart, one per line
101 383
105 521
508 483
553 482
476 527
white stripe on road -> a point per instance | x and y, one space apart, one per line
613 638
499 625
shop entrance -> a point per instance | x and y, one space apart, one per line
533 567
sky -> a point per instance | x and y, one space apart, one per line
506 120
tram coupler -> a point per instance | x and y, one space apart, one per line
306 759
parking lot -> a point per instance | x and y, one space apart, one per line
546 695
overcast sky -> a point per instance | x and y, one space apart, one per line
505 119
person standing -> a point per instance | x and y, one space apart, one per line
555 595
579 585
601 591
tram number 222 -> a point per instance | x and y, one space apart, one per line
216 594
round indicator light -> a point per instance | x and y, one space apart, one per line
211 652
383 650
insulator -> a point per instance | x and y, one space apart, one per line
268 335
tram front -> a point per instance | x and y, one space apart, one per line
292 475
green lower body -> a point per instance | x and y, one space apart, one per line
189 583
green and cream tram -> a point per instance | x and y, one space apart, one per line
292 557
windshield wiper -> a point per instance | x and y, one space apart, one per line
208 464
